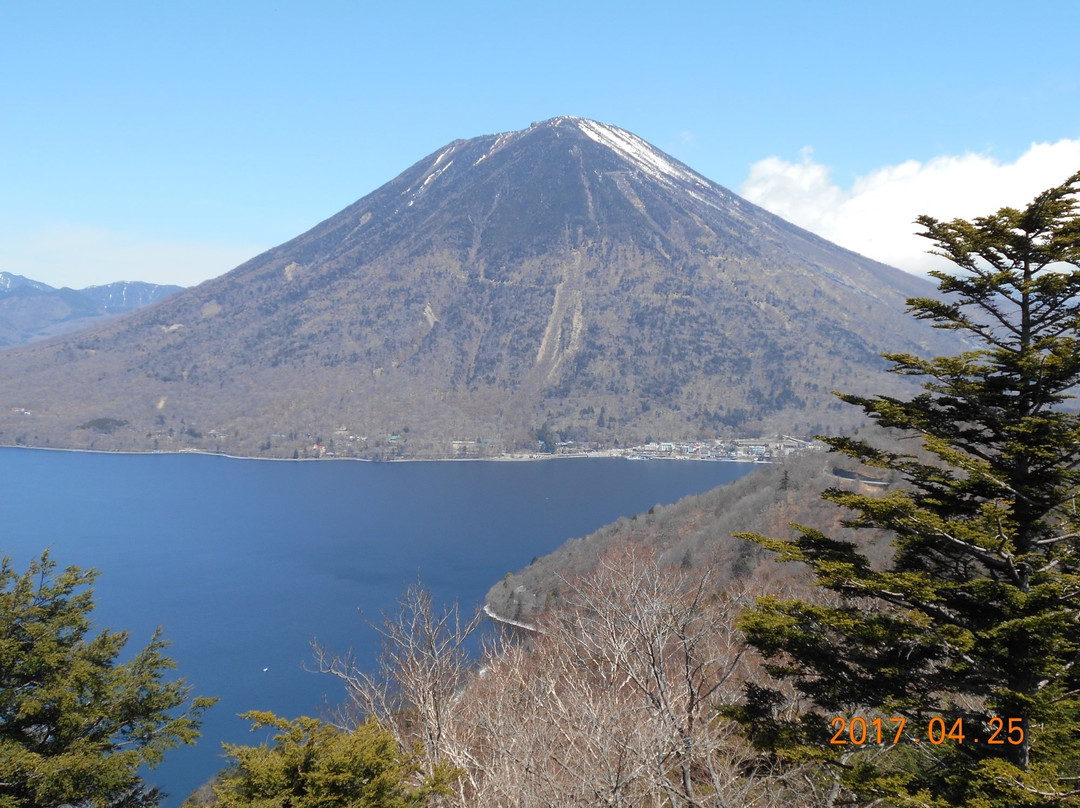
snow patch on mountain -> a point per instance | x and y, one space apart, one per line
637 151
435 174
414 192
443 154
10 282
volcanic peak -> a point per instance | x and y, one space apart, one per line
565 281
626 144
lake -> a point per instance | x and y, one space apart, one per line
243 562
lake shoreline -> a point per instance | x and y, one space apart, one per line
516 457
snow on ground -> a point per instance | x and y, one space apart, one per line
637 150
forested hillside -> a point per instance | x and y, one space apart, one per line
696 532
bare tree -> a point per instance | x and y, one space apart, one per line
422 669
614 703
664 636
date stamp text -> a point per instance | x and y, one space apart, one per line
858 731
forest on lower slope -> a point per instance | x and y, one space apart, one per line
696 532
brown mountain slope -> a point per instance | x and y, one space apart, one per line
568 278
696 531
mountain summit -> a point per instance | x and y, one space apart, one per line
566 280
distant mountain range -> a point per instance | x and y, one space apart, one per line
568 281
31 310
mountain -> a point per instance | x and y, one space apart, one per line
31 310
568 280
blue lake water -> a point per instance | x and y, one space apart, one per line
243 562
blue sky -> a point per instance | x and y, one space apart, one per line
170 141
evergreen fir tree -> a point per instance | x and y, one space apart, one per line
312 764
971 633
77 724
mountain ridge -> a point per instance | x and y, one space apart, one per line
32 310
567 278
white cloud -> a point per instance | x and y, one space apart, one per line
876 215
80 256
